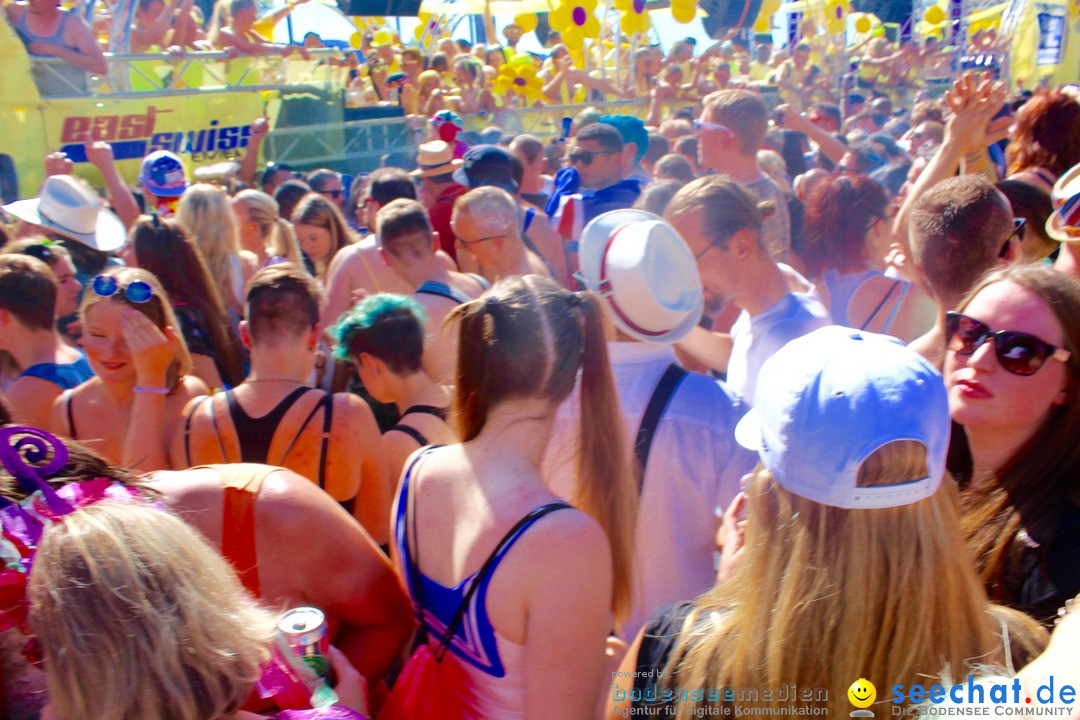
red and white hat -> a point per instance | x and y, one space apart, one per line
642 267
1064 224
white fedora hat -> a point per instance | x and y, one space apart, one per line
67 207
1064 224
645 272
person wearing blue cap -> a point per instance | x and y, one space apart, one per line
844 545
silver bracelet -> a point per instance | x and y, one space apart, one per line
152 391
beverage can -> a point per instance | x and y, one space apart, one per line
305 631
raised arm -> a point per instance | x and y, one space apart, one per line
829 145
100 155
974 104
249 162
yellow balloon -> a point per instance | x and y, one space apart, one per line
769 7
878 32
356 39
862 25
526 21
683 14
763 25
835 26
934 15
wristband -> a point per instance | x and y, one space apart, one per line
152 390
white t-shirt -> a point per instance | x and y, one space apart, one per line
755 339
694 468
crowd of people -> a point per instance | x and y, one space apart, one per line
730 395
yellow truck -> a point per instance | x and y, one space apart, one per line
198 105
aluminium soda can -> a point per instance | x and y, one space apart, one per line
305 631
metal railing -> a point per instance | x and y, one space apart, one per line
136 75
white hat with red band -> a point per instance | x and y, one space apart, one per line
1064 224
645 272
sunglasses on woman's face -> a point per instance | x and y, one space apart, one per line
135 291
1017 352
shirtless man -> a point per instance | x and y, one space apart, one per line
360 268
408 245
485 221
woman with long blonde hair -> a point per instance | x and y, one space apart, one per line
205 211
849 561
143 372
262 232
560 579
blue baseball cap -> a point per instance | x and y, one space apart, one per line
826 401
162 174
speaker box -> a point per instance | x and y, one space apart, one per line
380 7
888 11
724 15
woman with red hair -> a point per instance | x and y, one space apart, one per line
1045 139
846 231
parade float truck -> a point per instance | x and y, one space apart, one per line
198 105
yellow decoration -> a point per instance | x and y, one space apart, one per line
934 15
862 25
526 21
769 7
356 40
684 11
373 21
763 24
878 32
520 79
635 18
431 27
382 37
835 26
575 20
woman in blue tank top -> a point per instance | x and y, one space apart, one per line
532 638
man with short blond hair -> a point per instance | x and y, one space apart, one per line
731 130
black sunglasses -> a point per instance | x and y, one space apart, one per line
332 193
585 157
1017 352
1017 232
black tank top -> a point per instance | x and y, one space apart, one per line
413 432
256 434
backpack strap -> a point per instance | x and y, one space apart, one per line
658 403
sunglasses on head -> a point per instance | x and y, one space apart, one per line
1017 232
42 251
1017 352
585 157
135 291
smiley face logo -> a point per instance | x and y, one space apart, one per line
862 693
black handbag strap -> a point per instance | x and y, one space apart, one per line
485 569
658 403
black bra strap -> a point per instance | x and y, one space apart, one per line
411 432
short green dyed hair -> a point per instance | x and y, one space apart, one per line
388 326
